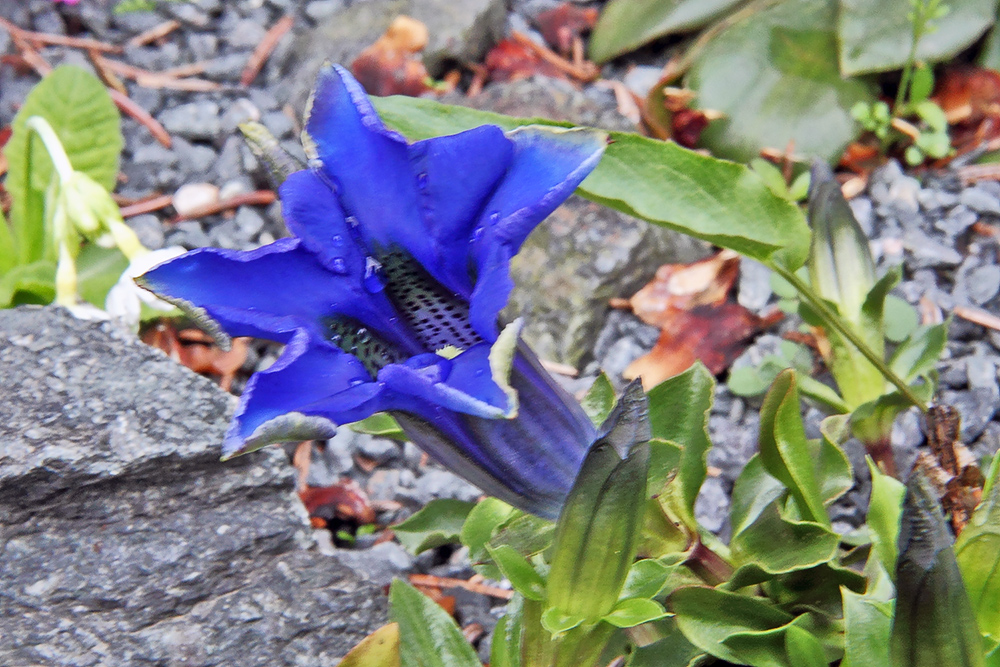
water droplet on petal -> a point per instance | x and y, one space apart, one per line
356 381
339 266
363 335
480 373
352 221
477 233
338 240
373 279
494 217
422 180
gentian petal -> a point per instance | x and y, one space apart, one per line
311 389
456 176
548 164
313 214
267 293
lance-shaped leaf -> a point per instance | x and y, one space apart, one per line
934 624
598 530
715 200
599 400
428 636
785 451
868 618
379 649
885 509
438 523
978 552
678 412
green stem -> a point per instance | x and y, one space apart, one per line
834 321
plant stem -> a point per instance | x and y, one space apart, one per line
54 147
834 321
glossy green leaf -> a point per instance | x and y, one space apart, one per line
708 617
503 651
785 451
9 256
437 523
885 509
382 425
428 636
868 619
678 412
28 283
522 576
803 649
77 106
934 623
627 24
379 649
527 534
919 353
774 74
484 520
97 271
755 490
599 400
664 462
833 468
978 553
634 611
645 579
776 544
713 200
876 37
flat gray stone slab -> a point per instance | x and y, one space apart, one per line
125 541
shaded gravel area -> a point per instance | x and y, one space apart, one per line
924 223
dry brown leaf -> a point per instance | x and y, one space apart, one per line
390 66
196 350
512 60
953 469
968 94
345 500
561 25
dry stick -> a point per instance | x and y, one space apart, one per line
977 316
447 582
59 40
166 80
979 172
588 72
265 48
191 69
256 198
127 106
154 33
147 206
106 73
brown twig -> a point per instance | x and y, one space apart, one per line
974 173
142 117
147 206
191 69
265 48
58 40
255 198
167 80
588 72
106 73
155 33
447 582
977 316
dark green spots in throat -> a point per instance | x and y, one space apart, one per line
364 344
437 317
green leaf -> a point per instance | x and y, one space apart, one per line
678 412
922 83
669 647
645 579
885 509
664 461
428 636
978 553
97 271
833 468
803 649
634 611
437 523
868 619
9 256
876 37
989 57
599 400
28 283
934 622
919 353
505 649
522 576
713 200
382 425
379 649
900 319
627 24
755 490
774 75
785 451
708 617
77 106
527 534
776 544
485 519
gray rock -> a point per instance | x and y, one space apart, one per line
249 222
194 159
194 120
332 460
978 199
957 221
279 124
203 45
755 284
437 483
320 10
126 541
226 68
983 283
379 450
926 251
711 508
148 229
379 565
245 34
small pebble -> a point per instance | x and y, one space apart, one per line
193 196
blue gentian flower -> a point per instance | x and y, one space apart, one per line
388 296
